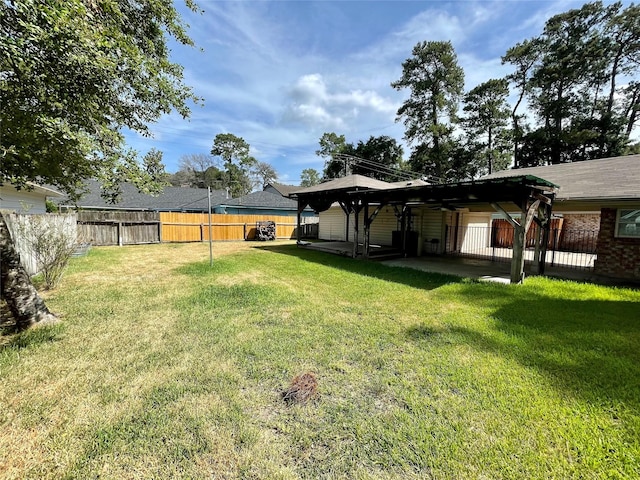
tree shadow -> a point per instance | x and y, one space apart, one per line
406 276
11 339
588 347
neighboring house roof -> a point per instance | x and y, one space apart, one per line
284 190
262 199
348 183
615 178
171 199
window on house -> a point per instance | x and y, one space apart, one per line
628 223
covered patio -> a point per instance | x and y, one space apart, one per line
533 197
476 268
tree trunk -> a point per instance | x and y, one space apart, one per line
26 306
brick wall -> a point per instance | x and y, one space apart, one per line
582 221
617 257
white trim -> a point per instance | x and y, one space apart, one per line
49 192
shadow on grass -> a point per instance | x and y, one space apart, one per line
590 348
406 276
12 340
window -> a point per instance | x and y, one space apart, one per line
628 223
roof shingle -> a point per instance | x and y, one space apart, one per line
602 179
171 199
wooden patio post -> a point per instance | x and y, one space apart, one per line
544 243
517 260
356 211
519 236
368 220
538 244
346 208
403 227
301 207
367 230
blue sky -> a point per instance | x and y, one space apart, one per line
281 73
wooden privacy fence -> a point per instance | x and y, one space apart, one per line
194 227
119 228
131 228
502 233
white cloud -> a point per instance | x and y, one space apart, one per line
309 88
314 103
314 116
432 24
279 76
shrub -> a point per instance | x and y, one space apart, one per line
52 241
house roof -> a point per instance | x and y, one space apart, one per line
171 199
262 199
348 183
46 191
514 188
450 195
602 179
284 190
409 183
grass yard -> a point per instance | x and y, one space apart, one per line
166 368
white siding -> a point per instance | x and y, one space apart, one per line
21 201
427 222
431 229
332 224
382 226
476 231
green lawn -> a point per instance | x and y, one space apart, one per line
166 368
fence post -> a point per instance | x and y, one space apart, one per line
202 232
494 234
119 234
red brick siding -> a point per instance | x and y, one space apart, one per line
582 221
579 232
617 257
